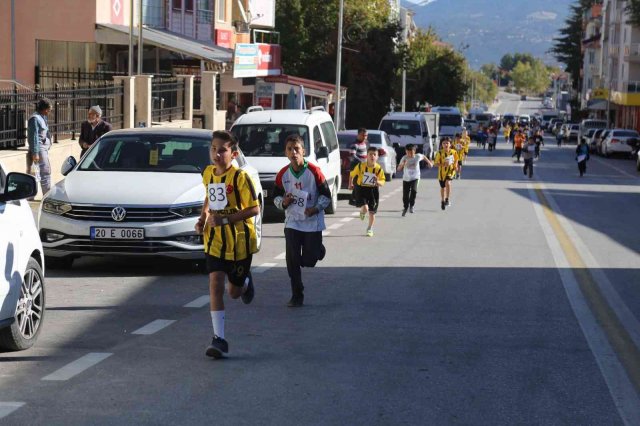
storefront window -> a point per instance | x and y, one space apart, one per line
176 4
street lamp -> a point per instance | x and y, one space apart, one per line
338 94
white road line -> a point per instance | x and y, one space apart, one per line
620 387
199 302
325 233
619 170
7 408
347 219
263 268
336 226
355 214
78 366
281 256
154 326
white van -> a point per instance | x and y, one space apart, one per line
451 121
406 128
262 136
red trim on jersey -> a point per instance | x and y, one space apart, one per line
317 173
280 175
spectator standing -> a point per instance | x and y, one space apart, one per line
92 129
39 140
359 148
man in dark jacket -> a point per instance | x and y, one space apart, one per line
92 129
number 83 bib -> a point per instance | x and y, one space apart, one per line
217 195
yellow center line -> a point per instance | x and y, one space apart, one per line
617 335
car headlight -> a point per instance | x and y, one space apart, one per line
55 206
187 211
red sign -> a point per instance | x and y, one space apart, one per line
269 59
223 38
117 12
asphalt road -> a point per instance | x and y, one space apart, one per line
517 305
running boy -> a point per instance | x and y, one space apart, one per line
529 152
459 147
410 163
367 177
229 233
303 193
447 162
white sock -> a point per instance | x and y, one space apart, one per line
245 285
217 319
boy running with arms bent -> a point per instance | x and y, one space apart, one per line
447 162
367 177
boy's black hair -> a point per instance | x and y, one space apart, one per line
294 138
458 135
226 137
410 147
372 149
362 130
43 104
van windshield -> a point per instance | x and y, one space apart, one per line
401 127
268 140
450 120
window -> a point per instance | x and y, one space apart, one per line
188 5
592 56
176 4
221 14
330 135
267 140
317 139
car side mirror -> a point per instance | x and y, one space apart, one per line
18 187
322 152
68 165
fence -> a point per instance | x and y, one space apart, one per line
167 97
47 77
70 105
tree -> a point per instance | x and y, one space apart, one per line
509 61
491 71
633 9
485 88
531 77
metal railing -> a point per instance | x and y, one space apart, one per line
167 98
47 77
633 86
70 103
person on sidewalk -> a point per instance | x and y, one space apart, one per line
529 153
230 238
39 140
410 163
365 180
301 190
92 129
582 156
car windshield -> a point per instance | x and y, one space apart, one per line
401 127
450 120
148 153
345 140
268 140
625 134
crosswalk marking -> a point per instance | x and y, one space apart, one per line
154 327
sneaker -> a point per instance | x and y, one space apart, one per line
410 209
369 232
447 202
296 301
404 212
323 252
443 205
362 216
248 294
219 348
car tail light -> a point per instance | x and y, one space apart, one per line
381 152
614 141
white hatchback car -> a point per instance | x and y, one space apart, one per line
136 192
22 294
616 142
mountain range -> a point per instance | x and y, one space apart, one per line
485 30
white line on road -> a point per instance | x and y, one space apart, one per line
355 214
78 366
263 268
281 256
347 219
616 168
154 326
325 233
199 302
7 408
336 226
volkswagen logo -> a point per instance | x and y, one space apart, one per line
118 214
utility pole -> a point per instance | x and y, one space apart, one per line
140 58
131 9
338 94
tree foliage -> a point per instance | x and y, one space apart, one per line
633 9
531 77
509 61
484 88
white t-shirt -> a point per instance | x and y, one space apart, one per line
412 168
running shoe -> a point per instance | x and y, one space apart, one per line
296 301
411 209
447 202
443 205
219 348
369 232
323 252
248 294
404 212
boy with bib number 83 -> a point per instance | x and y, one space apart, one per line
303 193
367 177
230 237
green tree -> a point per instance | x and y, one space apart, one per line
633 9
485 88
531 77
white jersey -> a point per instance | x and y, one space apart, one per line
412 167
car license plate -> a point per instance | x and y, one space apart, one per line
117 233
265 193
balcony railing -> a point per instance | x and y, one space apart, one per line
633 87
632 51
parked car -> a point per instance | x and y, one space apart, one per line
524 120
571 131
601 138
590 123
617 140
262 135
592 142
136 192
22 282
471 126
406 128
588 135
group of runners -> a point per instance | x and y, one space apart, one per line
526 142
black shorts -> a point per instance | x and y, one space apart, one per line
443 183
369 196
237 270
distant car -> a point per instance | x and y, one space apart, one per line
524 120
571 132
617 140
599 140
588 135
22 283
135 193
508 118
471 126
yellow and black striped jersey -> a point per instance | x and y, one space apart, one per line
447 163
368 176
230 193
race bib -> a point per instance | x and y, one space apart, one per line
449 160
299 205
411 173
217 193
531 148
369 179
581 158
458 147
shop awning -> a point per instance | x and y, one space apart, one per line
119 34
299 81
597 104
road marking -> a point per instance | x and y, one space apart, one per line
199 302
616 168
347 219
154 327
355 214
613 349
325 233
7 408
78 366
336 226
281 256
263 268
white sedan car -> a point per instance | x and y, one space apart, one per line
616 142
136 192
379 139
22 295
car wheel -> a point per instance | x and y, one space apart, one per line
59 262
333 207
22 334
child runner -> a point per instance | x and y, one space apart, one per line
303 193
367 177
467 143
529 152
410 163
229 232
447 162
459 147
518 142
